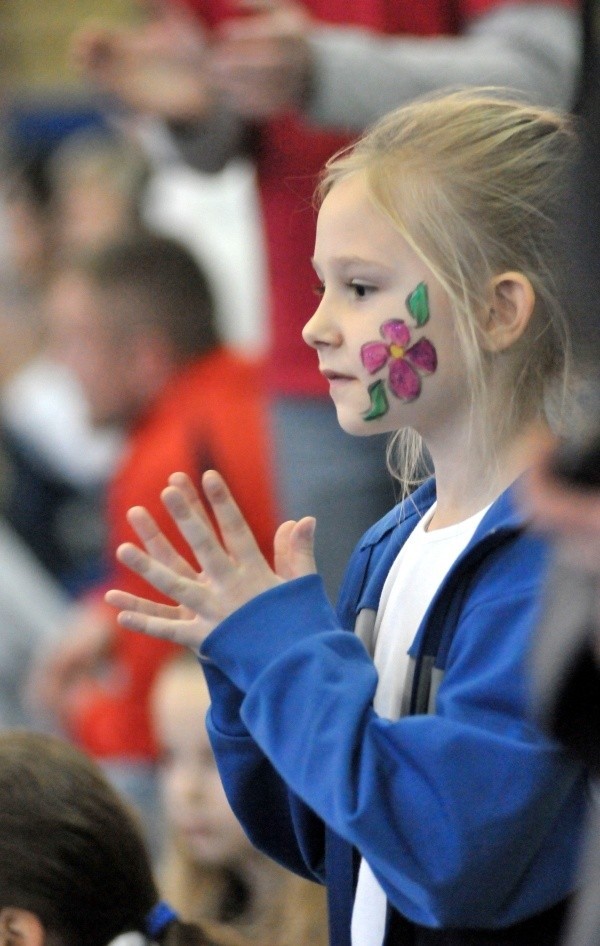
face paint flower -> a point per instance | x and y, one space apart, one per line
406 363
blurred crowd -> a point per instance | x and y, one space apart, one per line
155 274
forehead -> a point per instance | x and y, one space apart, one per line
71 297
348 196
181 687
75 298
351 226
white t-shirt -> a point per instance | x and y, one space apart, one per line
418 570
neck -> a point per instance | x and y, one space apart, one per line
469 479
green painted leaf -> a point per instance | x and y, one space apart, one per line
417 304
379 401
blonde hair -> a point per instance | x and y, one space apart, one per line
474 181
94 156
295 915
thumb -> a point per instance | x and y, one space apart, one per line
301 555
294 556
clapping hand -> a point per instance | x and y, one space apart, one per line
261 59
172 66
157 68
233 571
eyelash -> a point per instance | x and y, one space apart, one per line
361 290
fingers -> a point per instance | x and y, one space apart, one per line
301 547
235 530
155 543
231 574
237 534
177 630
194 526
281 546
124 601
185 484
182 501
187 591
294 549
163 628
173 623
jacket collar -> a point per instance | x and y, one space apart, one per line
382 542
504 513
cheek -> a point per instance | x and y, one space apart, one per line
109 385
215 799
95 370
226 831
398 368
181 784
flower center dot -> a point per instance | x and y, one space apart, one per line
396 351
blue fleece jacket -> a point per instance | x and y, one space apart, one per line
468 815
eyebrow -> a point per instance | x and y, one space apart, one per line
354 261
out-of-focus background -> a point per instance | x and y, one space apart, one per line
70 180
35 41
44 98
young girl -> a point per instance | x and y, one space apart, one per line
210 869
398 764
73 865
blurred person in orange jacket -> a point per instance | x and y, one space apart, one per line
135 323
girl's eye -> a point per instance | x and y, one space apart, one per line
361 289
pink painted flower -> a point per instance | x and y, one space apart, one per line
406 362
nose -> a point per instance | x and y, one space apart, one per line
321 329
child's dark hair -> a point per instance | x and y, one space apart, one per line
159 284
71 851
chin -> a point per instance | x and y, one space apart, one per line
357 426
203 850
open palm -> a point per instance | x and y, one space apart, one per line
232 571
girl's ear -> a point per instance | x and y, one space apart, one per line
512 300
20 928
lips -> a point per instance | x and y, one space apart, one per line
336 375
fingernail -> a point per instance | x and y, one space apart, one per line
309 527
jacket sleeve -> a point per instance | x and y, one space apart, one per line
276 821
531 47
472 800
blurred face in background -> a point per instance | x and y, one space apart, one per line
30 238
85 335
196 809
91 213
